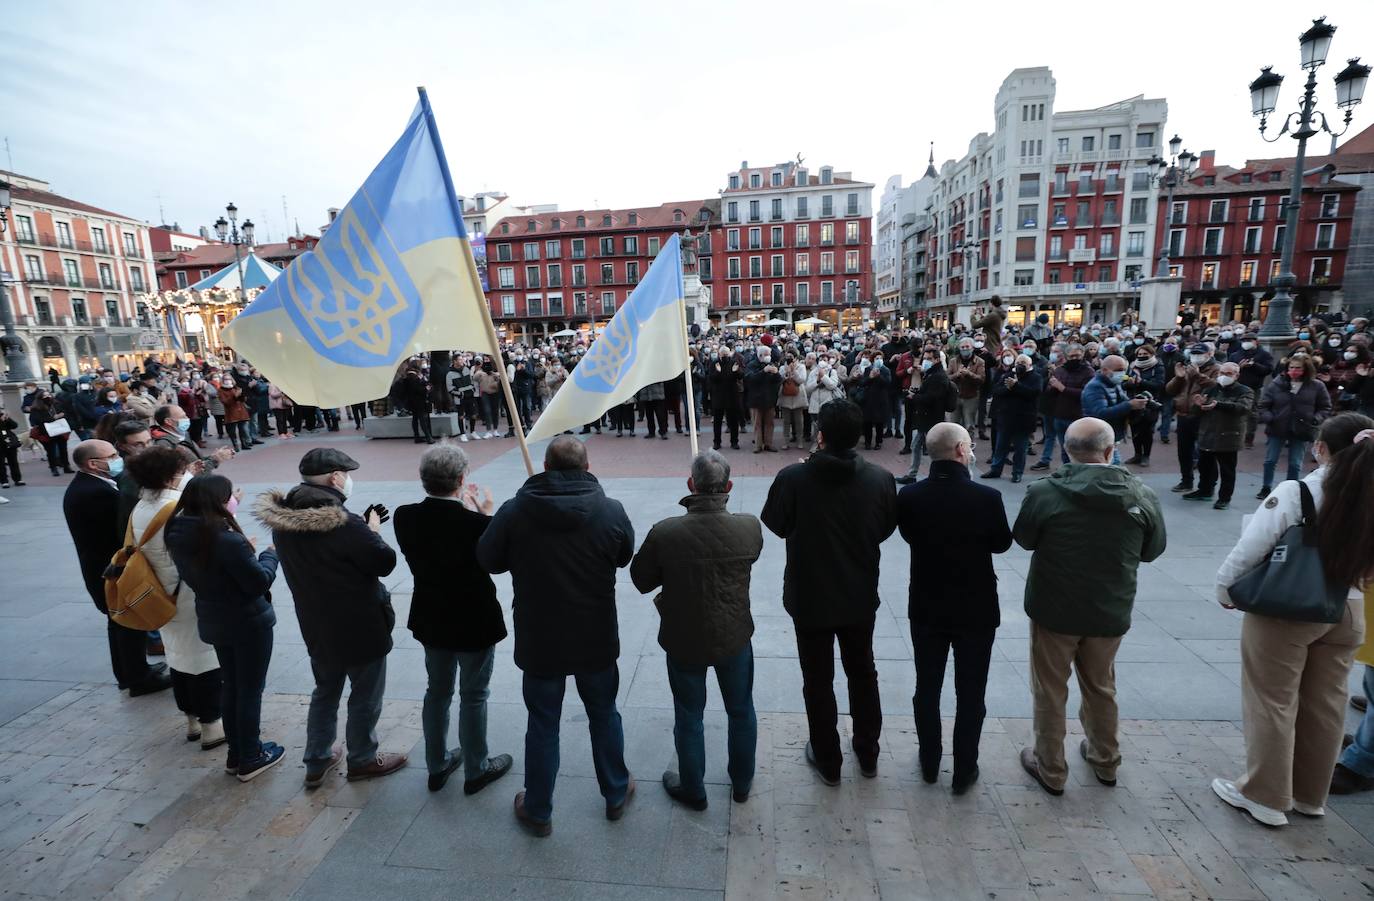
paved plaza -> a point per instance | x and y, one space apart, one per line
101 796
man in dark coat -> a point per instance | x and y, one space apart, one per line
931 397
1256 365
454 614
1015 394
835 510
91 507
1066 384
334 560
565 619
414 394
726 377
762 384
954 526
702 562
1224 407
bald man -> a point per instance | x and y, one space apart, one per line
954 526
1088 527
562 539
91 508
1105 398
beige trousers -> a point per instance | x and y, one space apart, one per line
763 426
967 413
1094 660
1293 695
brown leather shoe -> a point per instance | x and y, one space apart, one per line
618 811
1032 766
528 823
385 764
316 779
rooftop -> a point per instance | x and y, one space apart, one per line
648 217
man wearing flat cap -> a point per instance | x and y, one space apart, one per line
334 561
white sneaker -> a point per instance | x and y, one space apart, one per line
192 727
1226 790
1308 810
212 735
463 438
492 435
4 500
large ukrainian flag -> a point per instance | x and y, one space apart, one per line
393 276
645 342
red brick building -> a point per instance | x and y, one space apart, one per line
180 265
791 244
1225 236
556 270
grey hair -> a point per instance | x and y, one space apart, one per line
710 472
442 469
1089 441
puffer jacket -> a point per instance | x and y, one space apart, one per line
1222 429
823 386
1290 416
231 586
334 565
701 561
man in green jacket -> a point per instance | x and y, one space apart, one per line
702 562
1088 514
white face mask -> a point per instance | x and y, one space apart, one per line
1247 345
1226 380
347 488
1350 355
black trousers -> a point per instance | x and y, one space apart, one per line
283 418
9 465
655 411
730 415
198 695
873 434
419 422
128 654
1209 463
358 412
244 665
1185 430
816 653
972 654
1143 434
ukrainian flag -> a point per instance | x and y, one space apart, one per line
645 342
393 276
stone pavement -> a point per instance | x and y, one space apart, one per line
101 796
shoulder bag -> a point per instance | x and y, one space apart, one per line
1291 583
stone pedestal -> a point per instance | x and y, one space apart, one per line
1159 303
442 425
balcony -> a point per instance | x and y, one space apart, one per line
1057 222
1061 190
852 239
755 217
1111 219
555 281
1058 256
775 217
802 214
1215 216
1178 219
827 270
802 242
1135 252
851 270
1113 186
579 254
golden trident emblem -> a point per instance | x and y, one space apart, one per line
375 296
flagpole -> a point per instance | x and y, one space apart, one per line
471 266
682 318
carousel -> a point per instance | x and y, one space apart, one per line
200 312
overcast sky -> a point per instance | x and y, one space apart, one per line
583 104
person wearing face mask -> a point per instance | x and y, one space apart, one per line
9 450
762 385
46 421
931 397
1256 365
232 605
1294 674
1291 407
334 561
1015 393
1223 408
91 509
1190 380
235 414
172 428
161 472
1147 376
1105 398
968 373
1067 384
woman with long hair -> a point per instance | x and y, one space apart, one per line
1293 674
161 472
233 610
1291 407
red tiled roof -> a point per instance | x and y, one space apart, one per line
647 217
223 254
47 198
813 181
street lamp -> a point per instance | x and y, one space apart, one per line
1171 173
231 232
1264 95
15 359
969 251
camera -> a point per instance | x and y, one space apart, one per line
1150 403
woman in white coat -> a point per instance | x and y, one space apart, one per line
196 683
824 383
1294 674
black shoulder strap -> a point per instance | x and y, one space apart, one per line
1309 514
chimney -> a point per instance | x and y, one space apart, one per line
204 233
333 214
1207 161
743 164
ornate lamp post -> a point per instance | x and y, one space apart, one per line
1171 173
15 358
1264 94
231 232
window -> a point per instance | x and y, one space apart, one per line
851 261
654 244
1106 244
136 279
98 239
704 268
732 239
632 272
606 221
1256 209
72 272
802 264
756 295
1087 143
1113 142
580 304
24 227
631 245
734 295
1025 215
755 180
43 310
130 244
64 234
1056 247
1025 250
33 269
607 246
608 303
634 219
553 249
827 234
556 305
1211 241
776 179
1275 268
1321 271
1063 145
827 205
1135 244
1084 214
1247 273
732 267
1278 237
142 312
607 273
734 182
1326 235
1104 273
756 267
1209 275
503 253
851 205
79 314
1054 276
1331 205
579 274
1061 181
754 214
1252 239
827 263
777 293
827 175
775 209
1216 211
1132 274
775 236
532 250
755 239
1140 179
801 208
827 292
507 304
531 276
505 277
851 233
1144 139
732 211
534 305
555 275
1029 186
775 265
1109 214
1023 277
1176 238
803 294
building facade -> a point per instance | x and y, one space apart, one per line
178 268
552 271
1053 211
915 249
75 275
792 244
1225 231
899 211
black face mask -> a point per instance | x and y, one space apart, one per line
1073 364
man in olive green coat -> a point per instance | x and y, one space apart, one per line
1089 526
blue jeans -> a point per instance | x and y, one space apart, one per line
1047 424
1060 427
442 665
1166 416
735 675
1013 444
1272 451
243 668
918 446
1360 755
544 701
366 683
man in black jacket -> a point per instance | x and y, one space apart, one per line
931 396
565 619
334 560
1256 365
762 383
454 614
726 378
91 507
954 526
834 510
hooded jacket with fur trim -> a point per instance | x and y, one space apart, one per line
334 565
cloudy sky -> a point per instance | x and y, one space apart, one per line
600 103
